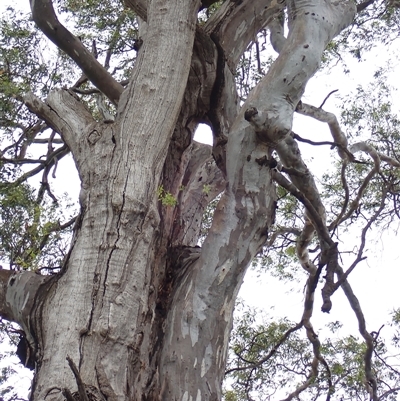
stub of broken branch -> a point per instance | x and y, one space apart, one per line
81 386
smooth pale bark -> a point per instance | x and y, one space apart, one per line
139 309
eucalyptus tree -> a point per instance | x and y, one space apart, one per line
137 309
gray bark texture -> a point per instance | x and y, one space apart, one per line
139 311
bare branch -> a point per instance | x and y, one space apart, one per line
280 231
356 202
321 143
343 179
318 221
85 91
359 257
81 386
44 16
347 154
388 392
327 97
58 154
22 161
56 141
312 338
375 155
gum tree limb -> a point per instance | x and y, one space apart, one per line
45 18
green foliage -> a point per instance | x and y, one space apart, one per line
206 189
29 232
113 28
206 13
261 366
21 66
367 115
377 25
166 198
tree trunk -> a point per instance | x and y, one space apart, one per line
138 311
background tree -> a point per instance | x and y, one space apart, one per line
135 309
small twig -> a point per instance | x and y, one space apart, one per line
327 97
338 219
391 391
359 257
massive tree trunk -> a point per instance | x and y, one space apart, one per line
138 310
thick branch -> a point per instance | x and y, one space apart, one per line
329 118
65 114
312 26
18 292
239 229
369 340
364 5
229 21
44 16
277 37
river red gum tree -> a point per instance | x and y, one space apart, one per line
139 311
